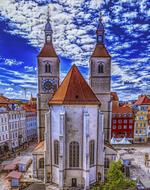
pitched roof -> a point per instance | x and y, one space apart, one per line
4 100
100 51
142 100
48 51
14 174
74 90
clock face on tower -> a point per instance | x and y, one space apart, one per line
48 85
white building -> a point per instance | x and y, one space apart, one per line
70 119
4 130
17 127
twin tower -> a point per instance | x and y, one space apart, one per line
49 77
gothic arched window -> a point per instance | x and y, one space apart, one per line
92 152
100 68
47 68
41 163
74 154
56 152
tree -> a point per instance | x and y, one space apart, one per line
116 179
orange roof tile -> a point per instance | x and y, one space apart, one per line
122 110
74 90
48 51
142 100
4 100
100 51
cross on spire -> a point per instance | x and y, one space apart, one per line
48 28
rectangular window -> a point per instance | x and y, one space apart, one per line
114 121
130 126
130 121
119 127
125 126
114 126
125 121
119 121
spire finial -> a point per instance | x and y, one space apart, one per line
48 15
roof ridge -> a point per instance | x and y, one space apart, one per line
70 71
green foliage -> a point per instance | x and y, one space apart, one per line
116 179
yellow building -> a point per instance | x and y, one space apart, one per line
140 127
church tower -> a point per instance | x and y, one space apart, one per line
48 77
100 77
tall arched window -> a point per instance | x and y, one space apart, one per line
47 68
74 154
41 163
56 152
92 152
106 163
101 68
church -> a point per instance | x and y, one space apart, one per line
74 118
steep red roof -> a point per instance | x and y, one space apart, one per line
100 51
142 100
74 90
48 51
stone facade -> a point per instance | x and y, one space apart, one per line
101 85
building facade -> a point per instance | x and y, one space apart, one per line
122 123
4 130
31 119
141 119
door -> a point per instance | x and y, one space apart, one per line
74 182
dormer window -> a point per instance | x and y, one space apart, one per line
47 68
100 68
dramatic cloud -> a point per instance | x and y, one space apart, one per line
74 23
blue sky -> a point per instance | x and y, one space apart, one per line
74 23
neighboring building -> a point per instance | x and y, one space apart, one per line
12 123
141 119
17 127
31 119
148 128
122 120
73 153
122 123
4 130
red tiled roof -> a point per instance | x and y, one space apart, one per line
100 51
142 100
74 90
14 174
48 51
4 100
122 110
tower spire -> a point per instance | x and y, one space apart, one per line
48 29
100 31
